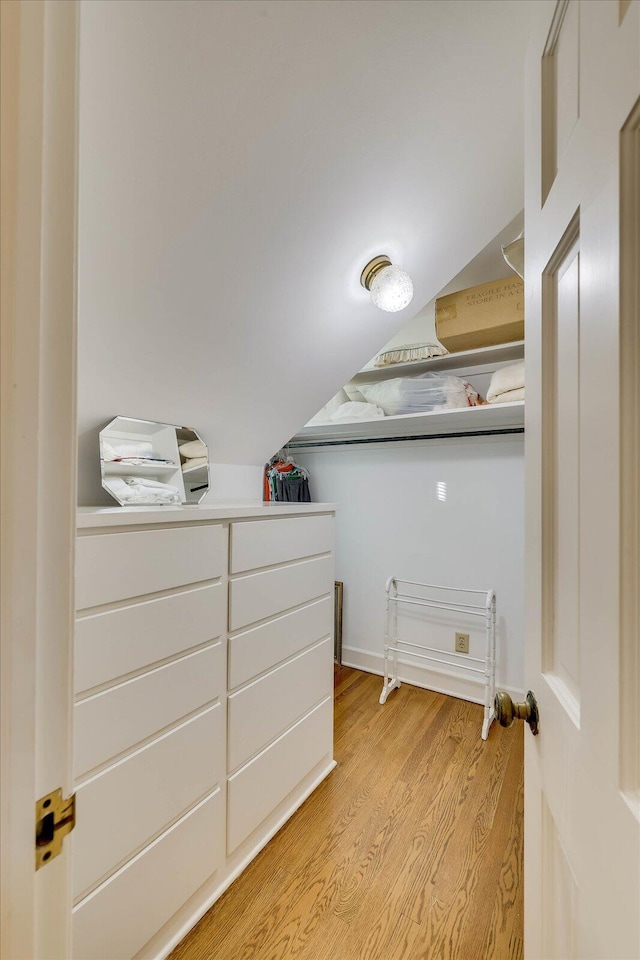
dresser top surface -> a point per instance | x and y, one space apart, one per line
90 517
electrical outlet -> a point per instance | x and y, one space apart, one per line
462 642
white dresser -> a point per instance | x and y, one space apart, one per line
204 706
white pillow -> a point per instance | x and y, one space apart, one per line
354 410
192 449
506 379
324 414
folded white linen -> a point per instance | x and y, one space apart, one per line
509 397
146 499
506 379
151 495
195 462
354 410
119 488
142 461
193 449
154 484
142 491
353 393
126 448
325 413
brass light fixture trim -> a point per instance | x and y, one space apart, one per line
373 268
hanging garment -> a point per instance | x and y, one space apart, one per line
293 490
285 481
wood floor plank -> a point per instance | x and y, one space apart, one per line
344 803
410 850
465 811
388 888
331 942
423 787
460 872
505 925
285 929
227 922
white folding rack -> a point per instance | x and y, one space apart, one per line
394 645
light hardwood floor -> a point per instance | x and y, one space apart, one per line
410 850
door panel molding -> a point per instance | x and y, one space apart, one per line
560 87
560 662
630 459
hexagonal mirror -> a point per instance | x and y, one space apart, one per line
144 463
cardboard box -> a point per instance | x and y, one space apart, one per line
481 316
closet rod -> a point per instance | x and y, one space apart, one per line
429 436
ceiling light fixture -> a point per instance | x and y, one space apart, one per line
513 253
391 287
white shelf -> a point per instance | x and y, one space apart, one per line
498 416
117 468
191 470
461 362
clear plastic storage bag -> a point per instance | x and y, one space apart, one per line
429 391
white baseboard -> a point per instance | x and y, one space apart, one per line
440 681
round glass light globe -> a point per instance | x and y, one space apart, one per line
392 289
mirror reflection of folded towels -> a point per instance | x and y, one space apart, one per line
194 449
142 490
194 453
152 484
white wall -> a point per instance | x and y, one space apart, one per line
240 162
391 521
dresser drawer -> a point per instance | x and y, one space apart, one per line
260 595
116 642
122 915
122 808
257 789
117 566
113 721
260 543
256 650
265 708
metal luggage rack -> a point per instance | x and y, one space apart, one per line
394 645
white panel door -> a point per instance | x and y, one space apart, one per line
582 852
38 96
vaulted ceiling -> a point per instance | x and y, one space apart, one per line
241 160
